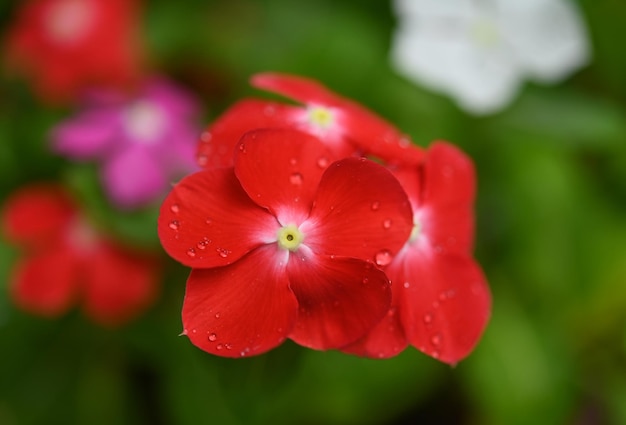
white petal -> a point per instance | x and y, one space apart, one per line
482 80
548 37
408 9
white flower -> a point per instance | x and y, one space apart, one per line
479 51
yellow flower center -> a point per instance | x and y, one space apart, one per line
289 237
415 232
485 33
321 117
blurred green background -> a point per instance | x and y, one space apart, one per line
551 236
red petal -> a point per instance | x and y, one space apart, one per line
280 170
207 220
386 340
360 211
449 190
47 284
363 128
339 298
242 309
118 285
37 214
217 143
302 89
443 301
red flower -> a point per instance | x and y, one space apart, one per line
65 46
441 302
283 245
67 262
344 126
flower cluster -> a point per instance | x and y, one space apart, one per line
141 129
322 223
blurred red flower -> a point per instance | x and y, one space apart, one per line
284 245
66 261
441 302
65 46
342 125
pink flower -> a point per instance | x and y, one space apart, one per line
144 142
66 261
344 126
441 302
64 46
284 244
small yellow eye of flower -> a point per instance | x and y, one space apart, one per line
415 233
321 117
485 33
289 237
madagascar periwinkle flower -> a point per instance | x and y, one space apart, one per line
142 142
441 302
67 261
342 125
65 46
479 52
286 243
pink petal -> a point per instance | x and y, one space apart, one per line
243 309
280 169
118 285
339 298
90 135
46 284
217 143
385 340
360 211
208 220
134 178
443 301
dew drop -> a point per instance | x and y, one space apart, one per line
296 179
228 346
387 224
428 318
365 281
217 315
404 142
223 252
206 136
269 110
208 221
375 205
406 285
435 339
220 346
203 160
203 243
322 162
191 252
175 208
383 257
293 161
435 354
174 225
212 337
242 148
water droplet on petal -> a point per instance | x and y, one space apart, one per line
428 318
293 161
269 110
203 160
375 205
205 136
387 224
322 162
191 252
174 225
404 142
242 147
217 315
212 337
296 179
208 221
220 346
435 354
203 243
365 281
406 285
223 252
435 339
383 257
175 208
